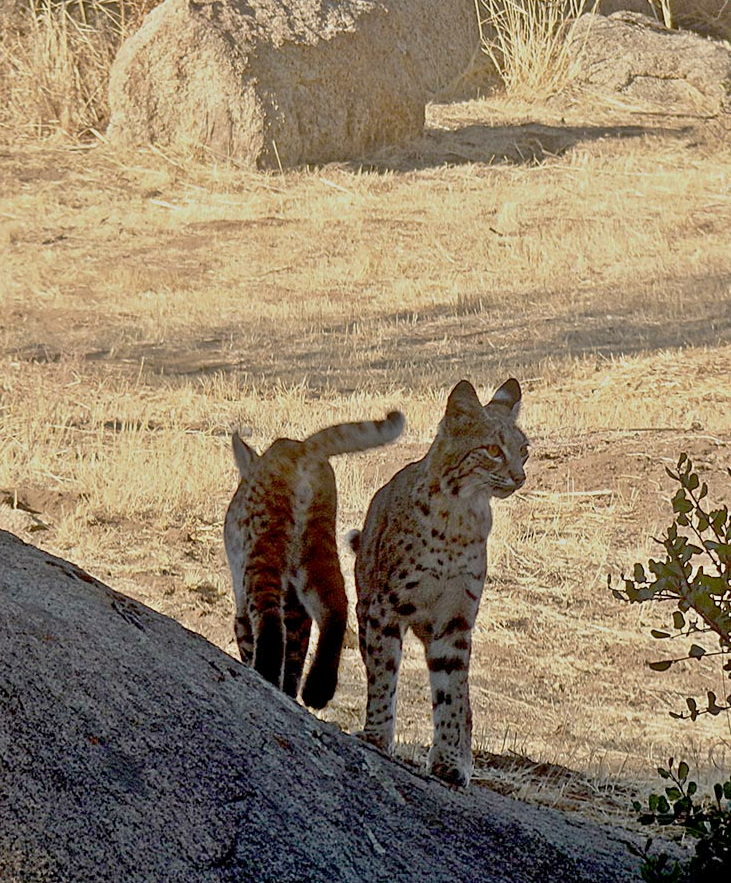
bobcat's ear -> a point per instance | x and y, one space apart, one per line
508 396
462 406
243 454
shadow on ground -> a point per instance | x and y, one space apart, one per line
526 144
472 337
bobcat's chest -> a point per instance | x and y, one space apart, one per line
442 565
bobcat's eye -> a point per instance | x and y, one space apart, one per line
524 452
494 451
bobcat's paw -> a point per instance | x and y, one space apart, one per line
452 770
375 740
450 775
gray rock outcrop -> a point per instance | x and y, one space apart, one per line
634 56
131 749
270 82
709 17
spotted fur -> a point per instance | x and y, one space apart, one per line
279 535
421 563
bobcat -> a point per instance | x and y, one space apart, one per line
421 562
279 535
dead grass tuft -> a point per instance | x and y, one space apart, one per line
526 41
55 60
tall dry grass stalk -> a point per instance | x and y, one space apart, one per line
665 11
527 42
55 59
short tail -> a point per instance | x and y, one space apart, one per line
347 438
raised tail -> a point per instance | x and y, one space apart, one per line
347 438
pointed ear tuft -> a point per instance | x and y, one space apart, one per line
508 396
243 454
462 405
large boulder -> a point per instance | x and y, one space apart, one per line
709 17
634 56
270 82
131 749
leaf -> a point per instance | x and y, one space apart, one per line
662 665
681 503
656 633
673 793
723 550
678 620
683 770
639 573
712 585
696 651
718 518
713 707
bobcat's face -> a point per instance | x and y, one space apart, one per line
495 468
481 449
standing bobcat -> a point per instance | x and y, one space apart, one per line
280 542
421 562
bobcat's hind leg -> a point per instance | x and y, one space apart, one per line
297 625
244 637
264 594
325 598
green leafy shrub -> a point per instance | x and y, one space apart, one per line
695 574
707 821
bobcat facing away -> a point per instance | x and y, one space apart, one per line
279 535
421 563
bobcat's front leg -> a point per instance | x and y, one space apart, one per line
448 660
381 644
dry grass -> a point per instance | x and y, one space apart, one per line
526 41
55 58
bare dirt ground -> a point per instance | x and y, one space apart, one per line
145 301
